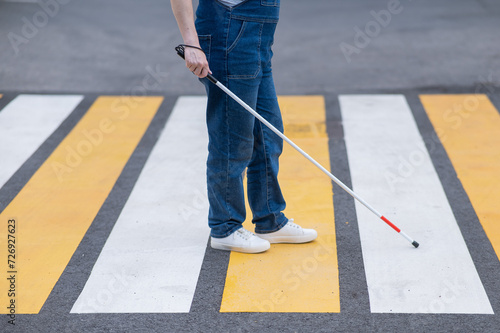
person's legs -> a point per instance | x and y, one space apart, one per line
238 45
231 141
231 145
232 46
264 193
238 141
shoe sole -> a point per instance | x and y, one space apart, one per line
219 246
289 239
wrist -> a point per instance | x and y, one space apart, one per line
193 42
192 46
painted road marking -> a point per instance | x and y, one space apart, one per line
152 258
391 169
55 208
25 123
469 129
294 278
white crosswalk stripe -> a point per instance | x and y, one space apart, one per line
391 168
152 258
25 123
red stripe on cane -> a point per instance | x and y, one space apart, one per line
390 223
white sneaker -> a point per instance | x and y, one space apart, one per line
241 240
290 233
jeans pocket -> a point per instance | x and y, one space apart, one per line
243 54
273 3
205 43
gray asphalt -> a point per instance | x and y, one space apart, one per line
108 47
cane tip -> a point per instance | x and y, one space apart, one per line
415 244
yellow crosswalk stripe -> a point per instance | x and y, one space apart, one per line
56 207
469 129
294 278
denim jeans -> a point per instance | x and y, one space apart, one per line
237 41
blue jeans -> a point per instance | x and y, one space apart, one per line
237 42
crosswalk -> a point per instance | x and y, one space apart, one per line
152 259
376 147
157 245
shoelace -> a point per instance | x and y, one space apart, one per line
244 233
293 225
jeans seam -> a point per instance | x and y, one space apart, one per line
225 49
269 3
254 19
228 147
267 168
226 119
237 39
209 46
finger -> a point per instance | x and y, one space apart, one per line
203 73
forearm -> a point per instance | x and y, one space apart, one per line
196 60
183 12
